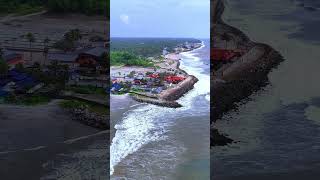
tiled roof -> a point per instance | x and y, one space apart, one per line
62 57
96 51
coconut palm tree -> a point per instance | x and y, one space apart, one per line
46 49
30 37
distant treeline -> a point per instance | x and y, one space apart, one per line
89 7
147 47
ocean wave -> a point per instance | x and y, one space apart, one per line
148 123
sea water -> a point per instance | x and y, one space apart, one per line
277 129
153 142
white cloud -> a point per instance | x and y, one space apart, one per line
124 18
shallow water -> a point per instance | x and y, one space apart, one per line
278 128
153 142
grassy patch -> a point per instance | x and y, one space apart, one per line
31 100
87 90
72 104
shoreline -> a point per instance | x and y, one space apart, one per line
131 144
167 98
236 81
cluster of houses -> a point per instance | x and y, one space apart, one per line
186 47
146 82
84 67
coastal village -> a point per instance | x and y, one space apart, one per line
155 84
240 67
68 64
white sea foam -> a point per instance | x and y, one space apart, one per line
149 122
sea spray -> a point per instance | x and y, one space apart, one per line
147 123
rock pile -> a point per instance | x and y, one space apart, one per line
95 120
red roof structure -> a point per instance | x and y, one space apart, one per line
224 54
154 76
174 79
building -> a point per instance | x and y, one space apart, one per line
224 54
165 52
69 59
87 57
12 58
91 56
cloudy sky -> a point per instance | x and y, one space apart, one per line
160 18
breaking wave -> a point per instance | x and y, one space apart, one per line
147 123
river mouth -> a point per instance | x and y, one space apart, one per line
152 145
277 131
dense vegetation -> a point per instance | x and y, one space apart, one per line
126 58
147 47
69 40
89 7
27 100
84 6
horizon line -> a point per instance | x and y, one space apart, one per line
160 37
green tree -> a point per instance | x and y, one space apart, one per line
31 38
3 68
46 42
54 67
19 67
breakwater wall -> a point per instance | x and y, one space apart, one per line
183 87
89 118
168 97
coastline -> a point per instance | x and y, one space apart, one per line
234 83
144 139
167 98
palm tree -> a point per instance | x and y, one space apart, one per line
46 49
30 37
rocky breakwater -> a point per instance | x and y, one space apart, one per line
235 81
168 97
84 116
183 87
